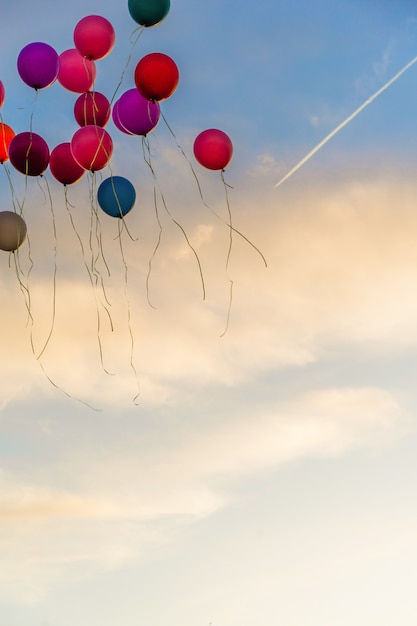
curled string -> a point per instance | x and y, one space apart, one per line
90 276
235 230
133 42
95 273
147 158
158 242
128 310
229 251
18 209
51 206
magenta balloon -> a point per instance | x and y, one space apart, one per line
136 114
29 153
92 147
38 65
63 166
2 94
76 73
94 37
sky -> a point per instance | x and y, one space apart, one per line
174 459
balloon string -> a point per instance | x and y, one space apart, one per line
235 230
128 310
95 273
229 251
90 406
90 276
147 158
155 202
139 32
54 272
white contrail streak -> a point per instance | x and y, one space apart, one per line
347 120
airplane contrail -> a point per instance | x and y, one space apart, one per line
345 122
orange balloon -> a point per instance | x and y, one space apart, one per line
6 135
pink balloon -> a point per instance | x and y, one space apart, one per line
63 166
38 65
136 114
92 107
92 147
213 149
29 153
94 37
76 73
2 94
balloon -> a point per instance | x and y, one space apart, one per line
92 107
38 65
12 231
6 135
213 149
63 166
94 37
2 94
76 73
136 114
116 120
156 76
148 12
116 196
29 153
92 147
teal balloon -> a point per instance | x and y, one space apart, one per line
148 12
116 196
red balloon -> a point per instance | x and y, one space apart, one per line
94 37
6 135
29 153
92 108
92 147
76 73
63 166
2 94
156 76
213 149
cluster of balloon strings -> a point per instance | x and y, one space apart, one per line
136 113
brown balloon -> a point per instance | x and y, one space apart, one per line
12 231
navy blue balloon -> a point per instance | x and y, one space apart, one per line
116 196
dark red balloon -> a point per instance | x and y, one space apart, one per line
92 108
213 149
156 76
92 147
29 153
94 37
63 166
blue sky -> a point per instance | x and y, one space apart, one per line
266 476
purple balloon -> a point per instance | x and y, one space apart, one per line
136 114
29 153
116 120
38 65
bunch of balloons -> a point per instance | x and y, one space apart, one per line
135 112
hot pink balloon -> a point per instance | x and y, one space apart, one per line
213 149
94 37
2 94
76 73
92 147
136 114
38 65
92 107
63 166
29 153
